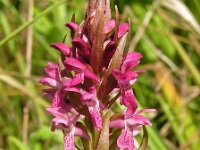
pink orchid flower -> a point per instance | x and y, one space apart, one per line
57 84
130 127
67 123
126 78
90 99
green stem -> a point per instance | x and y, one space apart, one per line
188 62
155 140
26 24
172 119
95 137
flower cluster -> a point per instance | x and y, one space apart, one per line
94 68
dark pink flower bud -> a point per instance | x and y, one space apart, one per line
63 48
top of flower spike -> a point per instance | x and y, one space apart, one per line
97 9
103 6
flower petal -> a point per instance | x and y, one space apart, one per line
49 93
144 110
96 117
81 132
123 28
77 79
109 52
90 75
63 48
73 26
130 111
126 77
138 120
59 123
127 97
59 101
56 99
125 140
87 96
132 59
58 112
119 123
74 89
77 66
69 141
109 27
53 71
49 81
73 64
82 46
117 74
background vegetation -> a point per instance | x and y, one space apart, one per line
166 32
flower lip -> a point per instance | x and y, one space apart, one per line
125 140
96 117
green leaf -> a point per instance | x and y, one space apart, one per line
28 23
15 142
43 133
86 143
144 142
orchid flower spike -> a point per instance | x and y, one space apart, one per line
93 67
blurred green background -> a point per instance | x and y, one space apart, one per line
166 32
